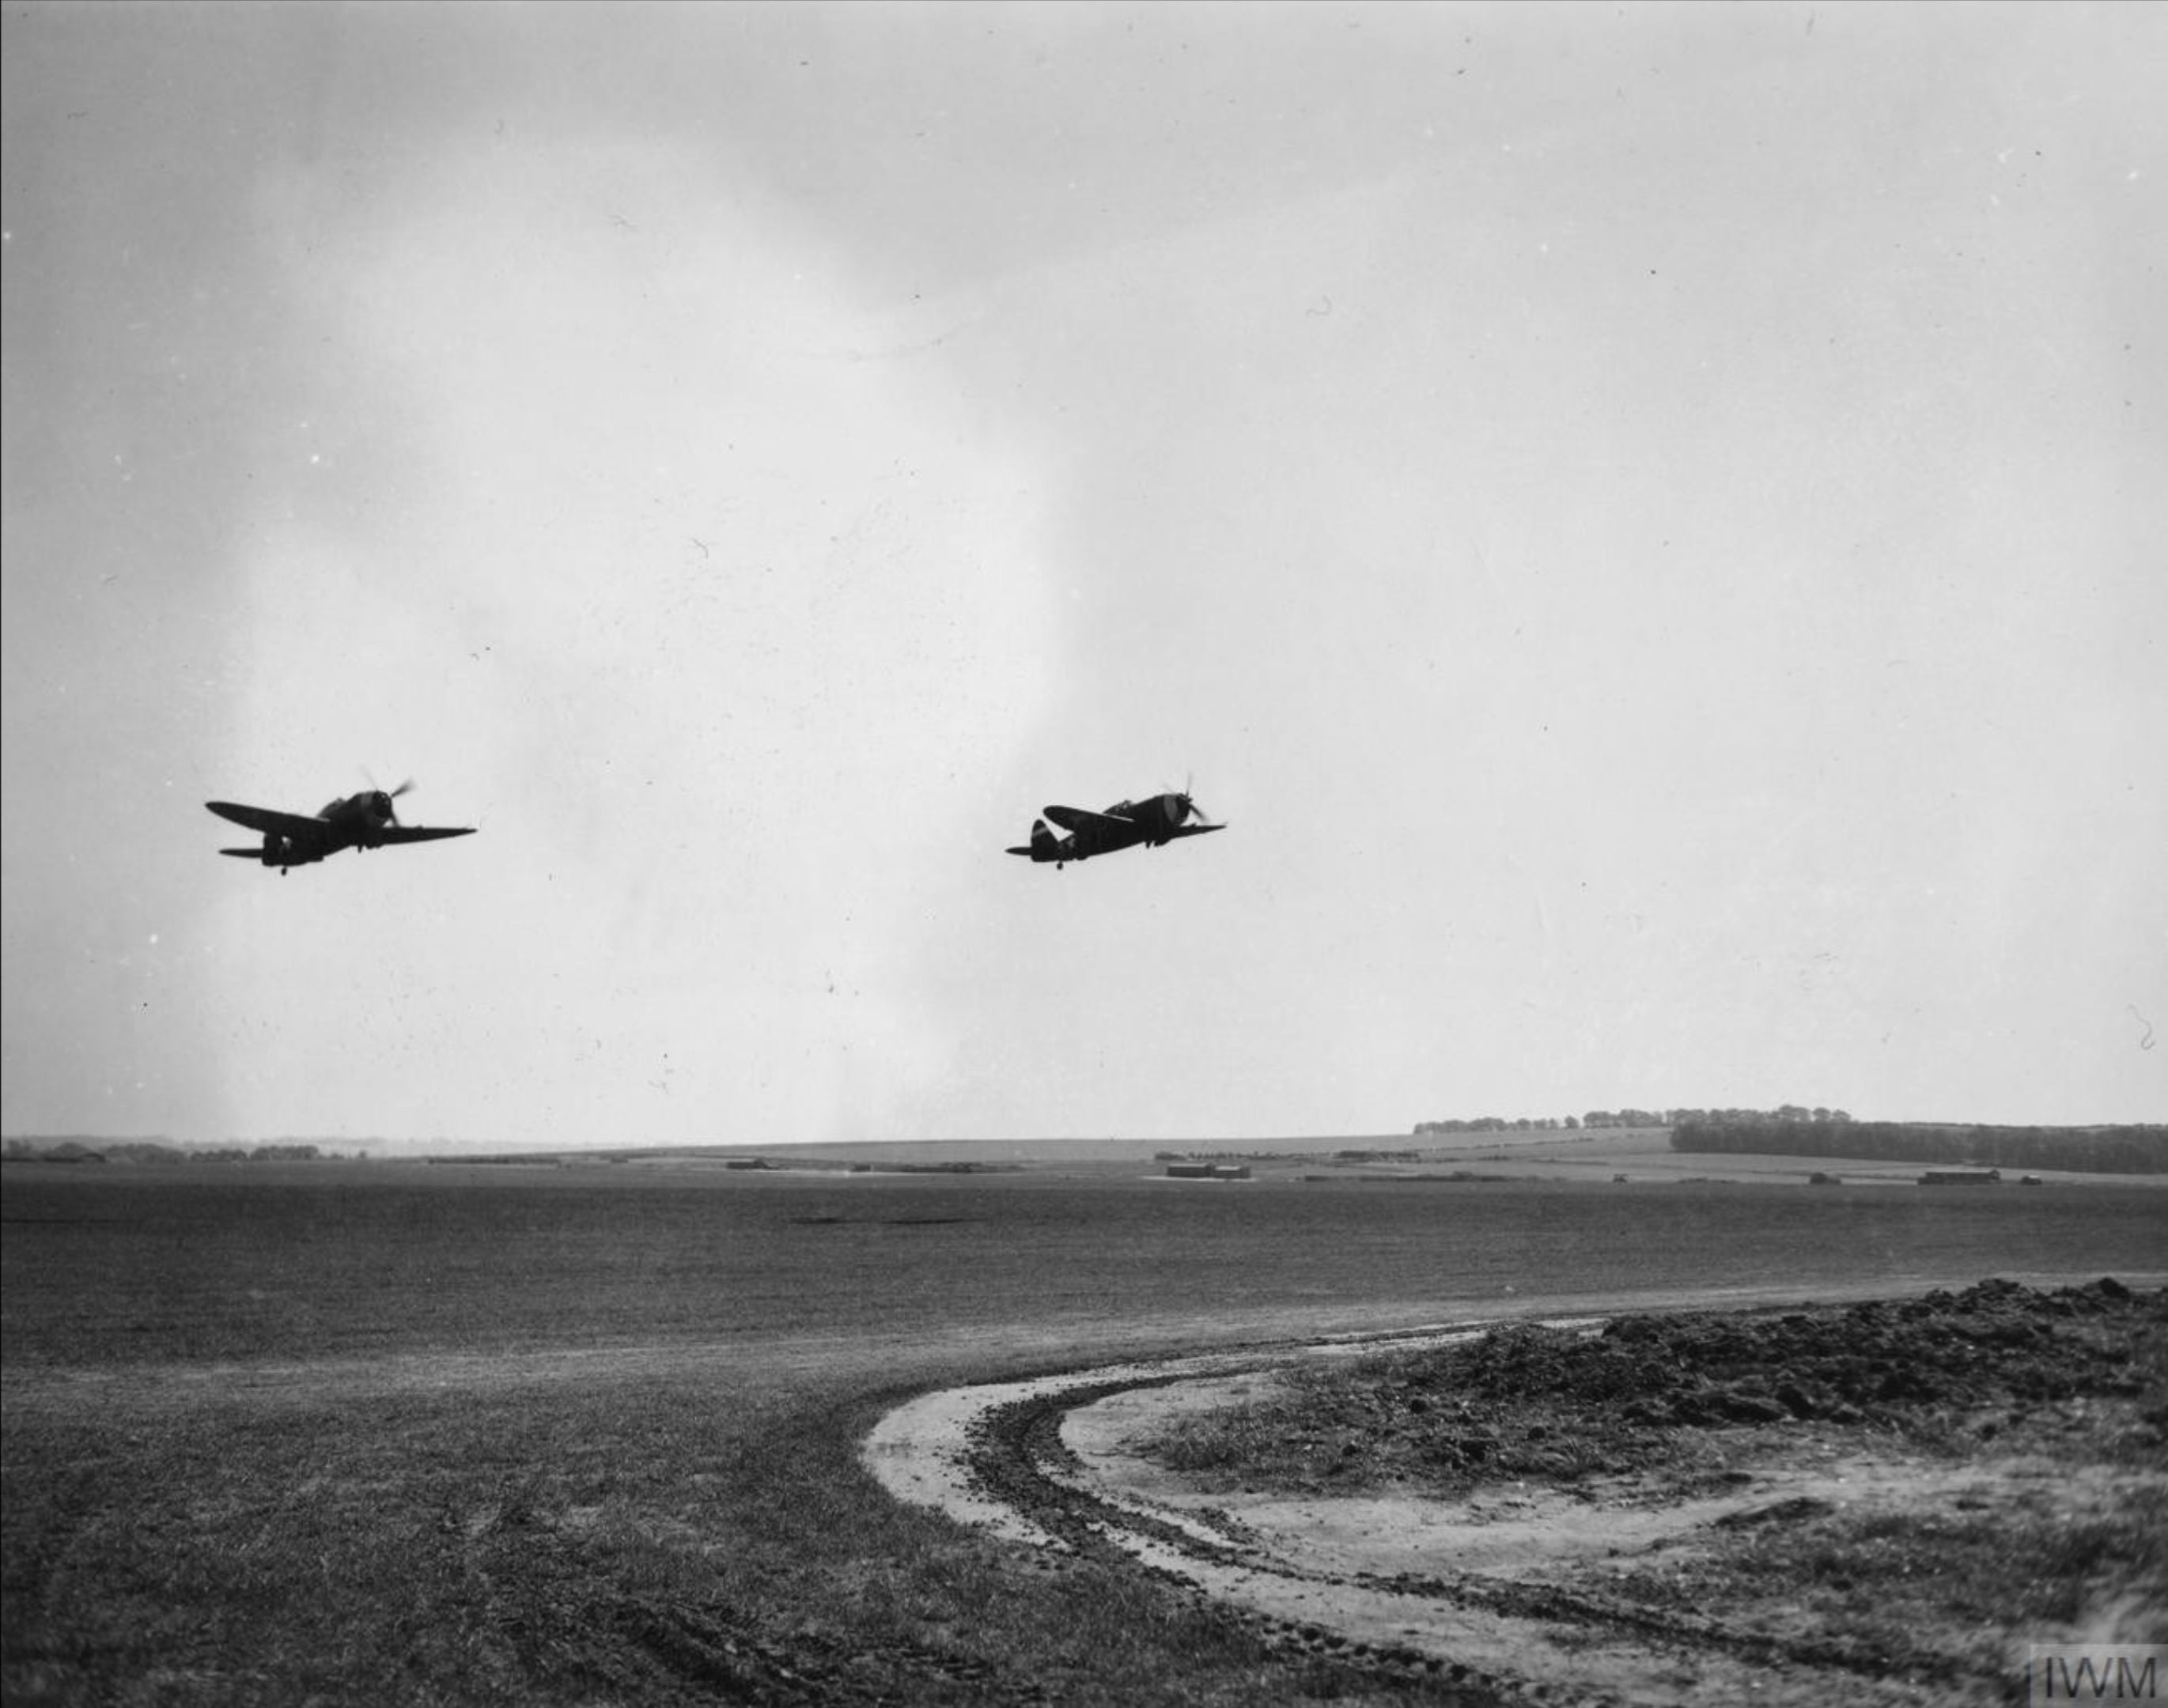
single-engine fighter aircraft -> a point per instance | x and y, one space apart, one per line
365 820
1157 819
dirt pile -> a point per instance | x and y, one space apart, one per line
1898 1495
1525 1401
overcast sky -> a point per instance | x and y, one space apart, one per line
1648 522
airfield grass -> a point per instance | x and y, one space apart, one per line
578 1548
361 1435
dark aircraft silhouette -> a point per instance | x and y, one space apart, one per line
365 820
1157 819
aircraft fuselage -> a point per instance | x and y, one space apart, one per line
364 820
1152 823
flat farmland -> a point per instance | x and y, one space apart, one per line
370 1433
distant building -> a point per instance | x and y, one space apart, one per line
1960 1177
1208 1171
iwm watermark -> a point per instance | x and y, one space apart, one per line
2096 1672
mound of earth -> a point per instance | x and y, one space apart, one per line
1653 1392
1879 1503
1906 1493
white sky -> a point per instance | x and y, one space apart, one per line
1648 521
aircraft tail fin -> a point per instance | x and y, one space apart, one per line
1042 845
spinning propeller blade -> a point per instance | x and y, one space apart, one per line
387 796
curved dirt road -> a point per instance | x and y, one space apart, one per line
1500 1591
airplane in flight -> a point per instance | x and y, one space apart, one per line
365 821
1152 822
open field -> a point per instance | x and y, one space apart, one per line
1643 1154
379 1433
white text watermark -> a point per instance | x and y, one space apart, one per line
2096 1672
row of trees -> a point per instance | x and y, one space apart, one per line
2111 1150
141 1150
1498 1123
1786 1114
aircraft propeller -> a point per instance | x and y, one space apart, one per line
389 796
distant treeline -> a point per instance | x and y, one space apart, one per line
1787 1112
143 1150
1500 1123
2101 1150
1221 1153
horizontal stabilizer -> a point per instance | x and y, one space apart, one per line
1045 845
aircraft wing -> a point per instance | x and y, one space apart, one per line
268 822
1194 830
1076 819
419 833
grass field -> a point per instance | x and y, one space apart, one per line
378 1433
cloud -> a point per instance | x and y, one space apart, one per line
613 518
1643 528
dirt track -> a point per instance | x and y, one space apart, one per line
1506 1582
